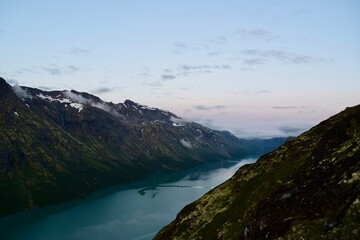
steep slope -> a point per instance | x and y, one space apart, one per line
307 189
60 145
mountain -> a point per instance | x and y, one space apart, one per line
60 145
307 189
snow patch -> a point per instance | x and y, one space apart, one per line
77 101
78 106
148 108
51 99
64 100
42 96
77 98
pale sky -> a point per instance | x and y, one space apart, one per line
255 68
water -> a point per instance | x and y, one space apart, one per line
130 211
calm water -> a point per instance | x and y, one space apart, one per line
130 211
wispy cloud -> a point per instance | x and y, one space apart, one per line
53 70
27 70
286 107
46 88
211 47
254 61
72 69
79 98
11 81
294 130
205 67
56 70
209 108
180 48
252 92
217 40
185 70
154 84
259 55
101 90
21 93
256 34
79 51
167 77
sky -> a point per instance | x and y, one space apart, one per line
256 68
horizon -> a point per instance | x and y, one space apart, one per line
256 69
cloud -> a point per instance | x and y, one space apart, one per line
208 108
281 55
254 61
79 51
186 70
71 69
27 70
45 88
101 90
211 47
180 48
21 93
252 92
218 40
185 143
205 67
291 130
53 70
215 53
208 123
154 85
256 33
166 77
78 98
285 107
11 81
145 74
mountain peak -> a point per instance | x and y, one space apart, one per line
3 83
130 103
5 88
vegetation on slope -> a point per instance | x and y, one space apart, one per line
309 188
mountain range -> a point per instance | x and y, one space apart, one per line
309 188
61 145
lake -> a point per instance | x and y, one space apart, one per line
135 210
